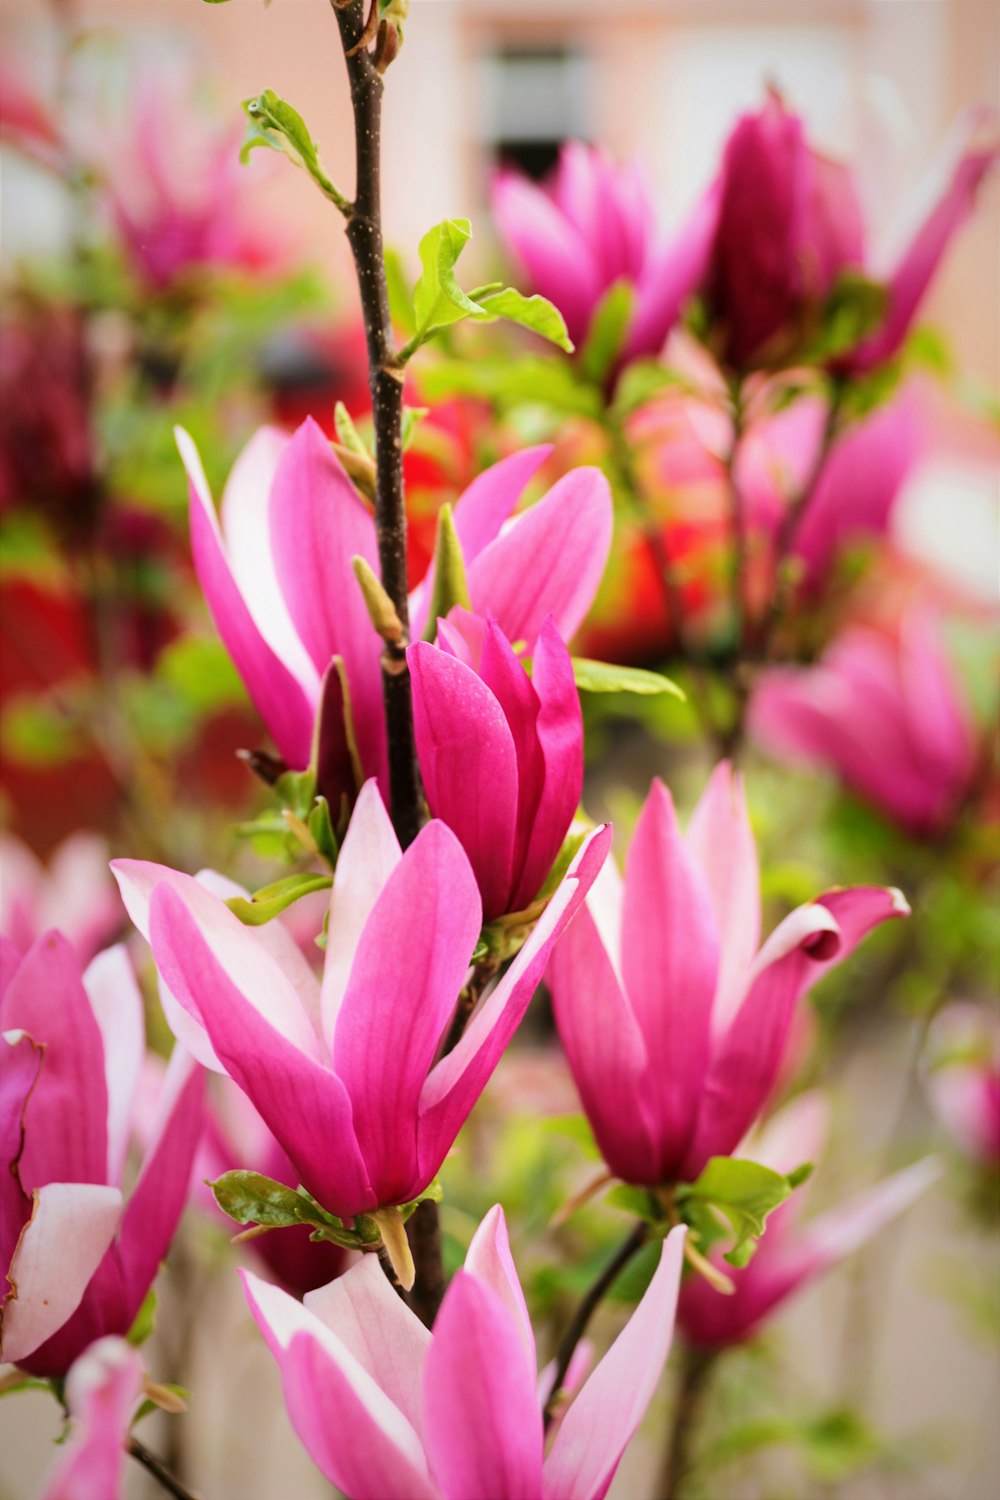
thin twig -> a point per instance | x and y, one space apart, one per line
155 1466
588 1306
737 521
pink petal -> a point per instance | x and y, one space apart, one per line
605 1415
557 259
158 1198
670 966
22 1063
375 1325
318 524
71 1228
844 1229
116 1002
606 1051
369 854
489 1260
66 1138
942 737
459 723
284 703
483 1427
968 156
669 278
304 1104
559 732
349 1426
548 561
410 964
721 839
510 685
456 1082
102 1390
489 501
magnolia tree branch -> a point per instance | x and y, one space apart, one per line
589 1303
155 1466
696 1368
385 377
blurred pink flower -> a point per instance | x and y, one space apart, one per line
79 1257
789 224
389 1411
790 1255
344 1073
591 225
103 1388
176 190
26 121
75 893
664 997
883 713
962 1079
278 579
501 754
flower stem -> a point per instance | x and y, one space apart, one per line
385 378
588 1306
155 1466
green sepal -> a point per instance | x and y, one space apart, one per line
854 308
144 1321
450 585
607 331
271 900
606 677
348 434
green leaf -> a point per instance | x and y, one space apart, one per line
606 677
438 300
535 379
450 586
271 900
607 330
274 123
144 1321
411 416
535 313
640 381
320 825
745 1192
637 1201
250 1198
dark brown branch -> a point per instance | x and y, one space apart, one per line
155 1466
588 1306
364 233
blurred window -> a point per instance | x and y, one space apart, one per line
536 98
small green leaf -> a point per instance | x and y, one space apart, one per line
854 309
637 1201
607 330
437 297
271 900
535 313
640 381
534 379
411 416
274 123
320 825
296 790
745 1192
250 1198
144 1321
606 677
450 586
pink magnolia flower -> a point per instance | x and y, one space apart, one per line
26 121
962 1079
664 997
501 754
883 713
278 579
790 1254
390 1411
593 224
344 1072
75 894
103 1389
176 190
789 224
79 1256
